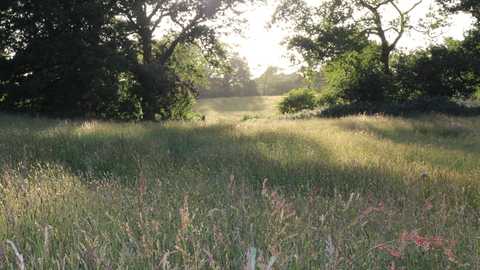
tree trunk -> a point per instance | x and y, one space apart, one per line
385 59
146 39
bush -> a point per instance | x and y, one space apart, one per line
410 108
442 70
328 98
357 77
420 105
297 100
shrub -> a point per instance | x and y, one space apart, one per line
357 77
442 70
297 100
409 108
328 98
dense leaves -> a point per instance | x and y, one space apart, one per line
468 6
235 81
450 70
297 100
442 70
274 81
64 58
357 77
331 28
99 59
354 43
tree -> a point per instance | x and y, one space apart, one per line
440 70
64 57
466 6
335 27
234 81
240 80
99 58
284 83
181 21
452 69
266 81
356 77
275 82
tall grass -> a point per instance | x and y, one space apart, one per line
312 194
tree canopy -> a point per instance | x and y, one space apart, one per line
104 59
471 7
354 42
235 81
331 28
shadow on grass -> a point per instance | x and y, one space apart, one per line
181 151
295 161
439 137
290 160
189 155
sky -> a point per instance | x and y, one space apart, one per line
262 49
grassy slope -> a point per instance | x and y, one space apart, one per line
341 193
233 109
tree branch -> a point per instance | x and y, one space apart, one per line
182 36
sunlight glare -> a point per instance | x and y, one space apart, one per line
262 49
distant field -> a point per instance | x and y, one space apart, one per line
234 108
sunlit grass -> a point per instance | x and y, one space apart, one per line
234 109
341 194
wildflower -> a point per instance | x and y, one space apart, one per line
330 249
427 242
391 250
363 213
396 254
314 195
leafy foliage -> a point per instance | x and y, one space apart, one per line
443 70
321 32
297 100
274 81
333 28
235 80
357 77
164 94
409 108
468 6
337 36
66 58
99 59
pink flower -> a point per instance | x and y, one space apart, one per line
390 249
396 254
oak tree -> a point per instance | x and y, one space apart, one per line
331 28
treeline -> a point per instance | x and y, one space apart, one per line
361 72
238 81
150 59
101 59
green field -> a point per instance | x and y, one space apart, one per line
235 108
341 193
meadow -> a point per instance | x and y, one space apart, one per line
348 193
236 108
